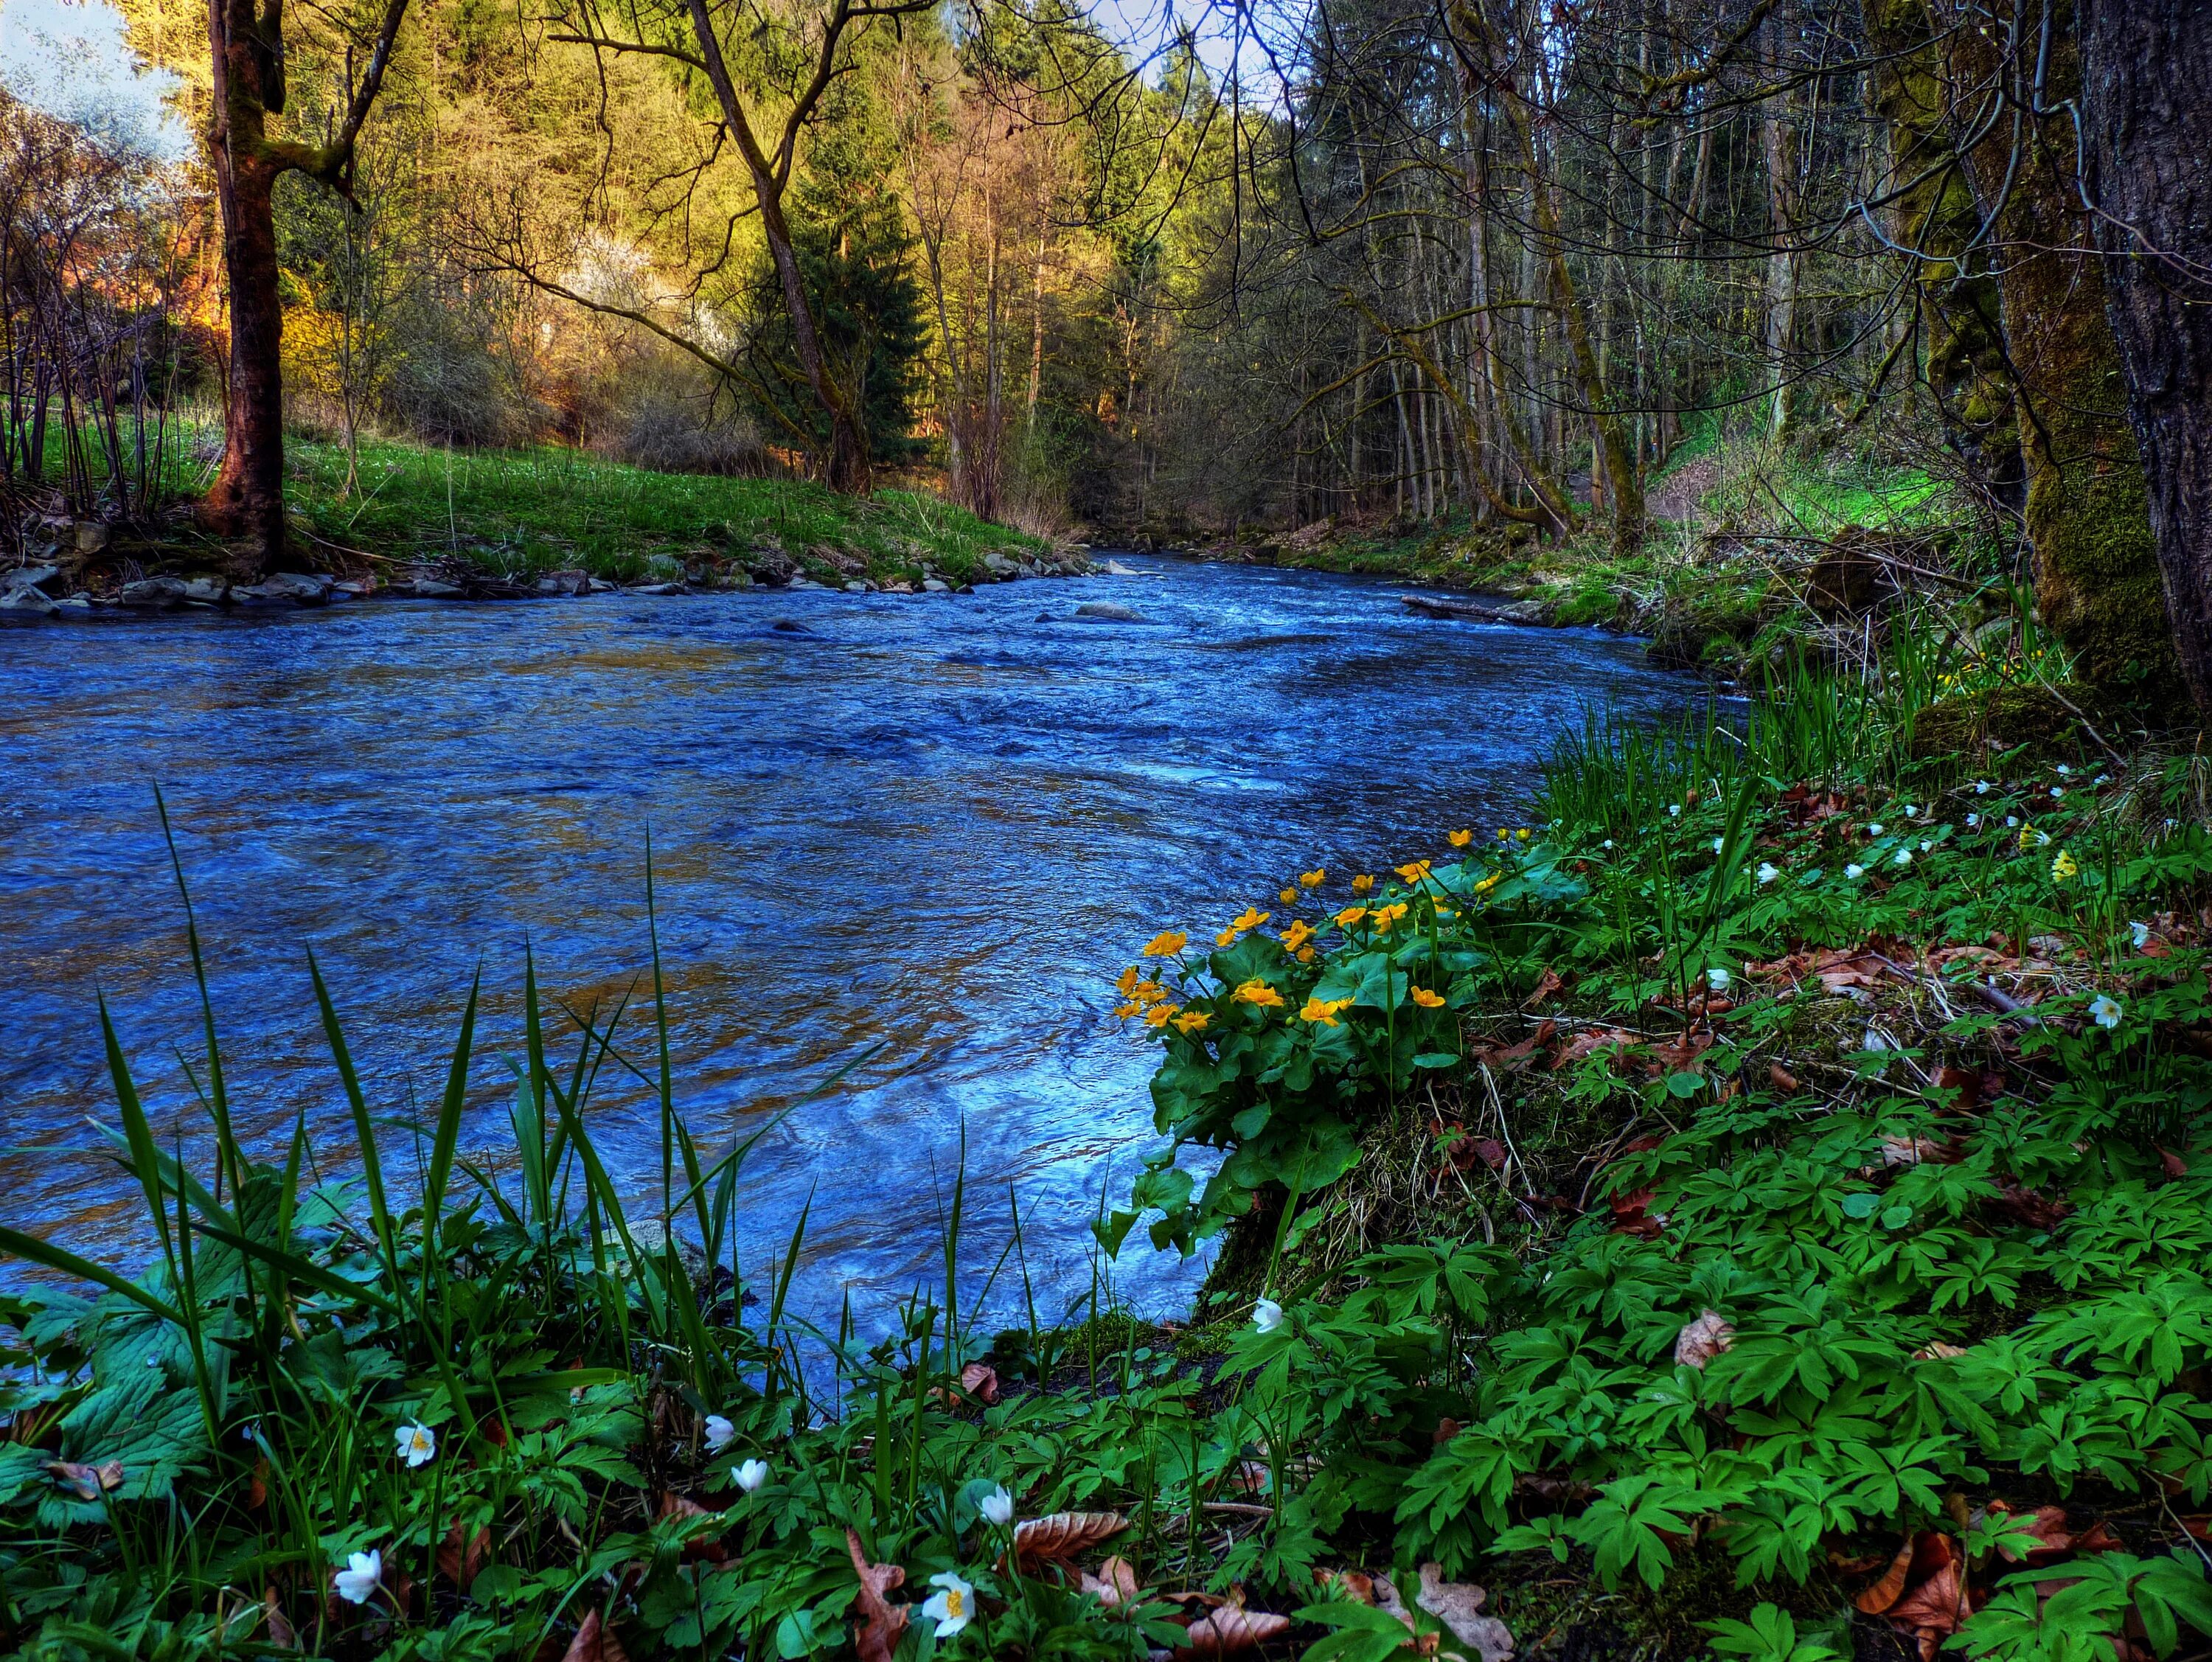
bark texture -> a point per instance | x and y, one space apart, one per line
2146 121
2011 73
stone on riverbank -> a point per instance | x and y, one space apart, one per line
1107 611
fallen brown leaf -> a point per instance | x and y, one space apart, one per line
86 1482
282 1635
701 1547
1063 1534
1458 1605
1781 1078
1588 1042
1230 1628
1703 1339
595 1641
1632 1214
881 1624
1114 1584
1548 983
981 1381
460 1563
1886 1591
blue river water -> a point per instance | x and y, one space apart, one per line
940 824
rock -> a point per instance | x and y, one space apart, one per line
999 566
354 588
935 586
1115 569
802 582
27 602
92 537
601 585
1107 612
300 587
32 576
207 591
791 626
161 593
661 588
436 588
75 602
1847 581
567 582
856 588
1043 617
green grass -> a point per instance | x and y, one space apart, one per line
520 512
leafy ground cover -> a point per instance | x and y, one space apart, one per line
1758 1207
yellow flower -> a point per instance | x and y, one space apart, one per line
1159 1015
1259 993
1149 992
1386 915
2027 835
1522 834
1427 1000
1128 984
1252 919
1414 872
1297 935
1446 912
1322 1012
1226 938
1460 839
1289 897
1351 915
1361 884
1166 944
1503 834
1123 1012
1311 880
2063 868
1190 1021
1305 954
1490 882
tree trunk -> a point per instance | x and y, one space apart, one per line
2146 117
2088 515
246 504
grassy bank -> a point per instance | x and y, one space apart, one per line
1759 1207
511 515
1727 578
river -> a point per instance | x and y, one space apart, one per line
940 823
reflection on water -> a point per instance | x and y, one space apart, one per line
942 823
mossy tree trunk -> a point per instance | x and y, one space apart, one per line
2010 74
2146 121
1931 212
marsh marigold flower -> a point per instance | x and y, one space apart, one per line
1311 880
1297 935
1191 1021
1252 918
1350 915
1460 839
1289 897
1384 916
1126 984
1305 954
1166 944
1158 1016
1259 993
1428 1000
1522 834
1362 884
1414 872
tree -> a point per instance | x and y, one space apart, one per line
2146 122
246 39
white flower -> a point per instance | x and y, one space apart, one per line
1874 830
2105 1011
1675 812
2139 934
2011 819
1266 1315
997 1507
718 1433
751 1474
1911 811
950 1606
1608 841
1854 872
364 1573
1905 856
2063 770
1981 787
1717 979
1925 845
1768 872
1972 820
2102 779
417 1445
1717 844
2043 839
2057 791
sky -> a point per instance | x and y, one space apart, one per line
70 59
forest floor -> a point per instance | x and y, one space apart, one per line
496 521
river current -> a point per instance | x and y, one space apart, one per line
940 824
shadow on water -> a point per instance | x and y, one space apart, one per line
940 822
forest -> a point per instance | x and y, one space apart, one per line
1736 1183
